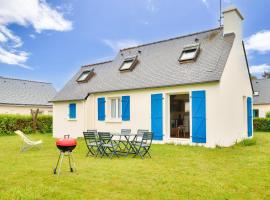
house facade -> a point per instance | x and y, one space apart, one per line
20 96
261 96
193 89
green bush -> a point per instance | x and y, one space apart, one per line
11 123
261 124
267 115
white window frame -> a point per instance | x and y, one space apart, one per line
194 47
132 63
118 108
256 93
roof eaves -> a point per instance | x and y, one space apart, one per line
243 44
21 104
16 79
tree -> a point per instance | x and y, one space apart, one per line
266 74
34 114
253 77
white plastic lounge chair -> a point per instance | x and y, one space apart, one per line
27 142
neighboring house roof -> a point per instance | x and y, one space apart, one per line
158 66
263 87
25 92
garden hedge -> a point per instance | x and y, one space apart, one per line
11 123
261 124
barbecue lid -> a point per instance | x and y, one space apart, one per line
66 142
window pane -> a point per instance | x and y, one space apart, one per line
113 108
126 65
189 54
119 108
256 93
255 113
83 76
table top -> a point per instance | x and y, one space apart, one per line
125 134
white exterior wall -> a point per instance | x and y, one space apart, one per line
263 109
62 125
24 110
235 87
140 113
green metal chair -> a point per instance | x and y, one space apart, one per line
108 146
142 148
92 142
140 133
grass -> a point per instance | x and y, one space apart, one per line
174 172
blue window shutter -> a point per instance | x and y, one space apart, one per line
198 117
125 108
157 116
72 111
101 109
249 116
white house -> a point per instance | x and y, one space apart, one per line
192 89
19 96
261 96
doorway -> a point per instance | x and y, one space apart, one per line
179 116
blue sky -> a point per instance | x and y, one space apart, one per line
50 40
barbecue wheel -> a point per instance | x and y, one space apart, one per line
54 171
71 169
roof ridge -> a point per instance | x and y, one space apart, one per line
173 38
98 63
17 79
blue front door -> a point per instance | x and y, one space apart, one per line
156 116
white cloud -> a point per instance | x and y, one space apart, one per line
116 45
259 42
206 3
36 13
14 58
151 6
32 36
259 69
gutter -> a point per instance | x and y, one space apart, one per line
139 88
14 104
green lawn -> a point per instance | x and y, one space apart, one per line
174 172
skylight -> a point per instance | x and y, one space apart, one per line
85 76
128 64
189 53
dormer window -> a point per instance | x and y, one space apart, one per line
85 76
256 93
189 53
128 64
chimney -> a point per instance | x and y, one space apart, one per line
233 21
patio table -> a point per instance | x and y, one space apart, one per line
130 138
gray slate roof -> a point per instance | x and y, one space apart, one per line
25 92
263 87
158 66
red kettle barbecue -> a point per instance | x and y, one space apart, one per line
66 146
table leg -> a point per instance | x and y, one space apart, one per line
131 149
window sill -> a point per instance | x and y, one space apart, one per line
69 119
113 121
